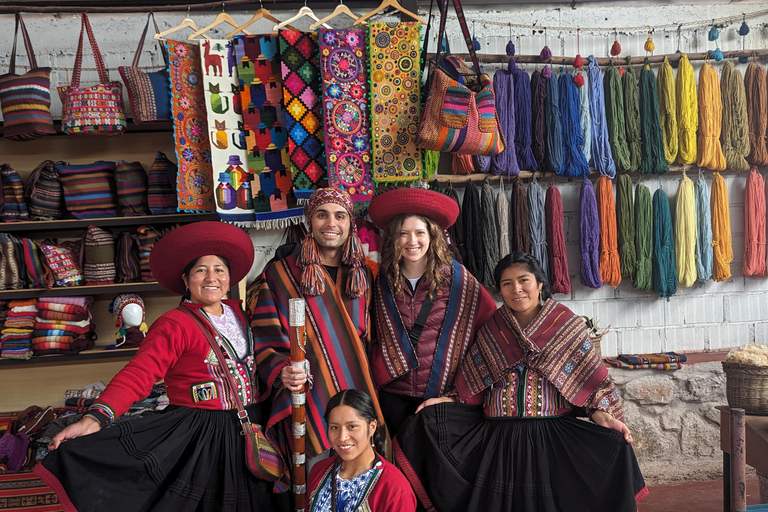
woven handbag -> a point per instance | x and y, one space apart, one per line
45 199
98 256
148 93
89 189
131 182
460 112
95 110
13 207
26 99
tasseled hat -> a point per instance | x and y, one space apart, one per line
117 306
310 259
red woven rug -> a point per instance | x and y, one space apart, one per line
24 492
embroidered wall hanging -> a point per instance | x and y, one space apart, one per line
395 101
234 201
264 131
194 181
345 106
303 110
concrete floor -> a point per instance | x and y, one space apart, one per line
693 496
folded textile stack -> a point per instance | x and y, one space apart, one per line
660 361
17 329
63 326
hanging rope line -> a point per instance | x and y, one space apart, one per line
585 117
601 150
710 153
685 233
574 163
610 267
643 280
703 231
664 272
632 116
754 226
668 110
505 163
558 261
735 128
722 249
525 158
687 112
653 161
539 129
625 220
554 141
589 236
757 112
614 114
537 224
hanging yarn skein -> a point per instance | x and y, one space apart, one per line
703 231
754 226
710 154
521 236
523 151
502 215
505 163
668 110
537 224
539 127
687 112
685 233
585 117
664 271
734 136
653 161
610 267
632 116
722 248
574 163
559 280
643 279
456 232
473 230
554 146
601 150
489 234
757 113
589 236
625 221
614 114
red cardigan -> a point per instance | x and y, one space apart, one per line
391 491
176 350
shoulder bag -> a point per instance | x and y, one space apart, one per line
26 99
95 110
460 112
261 456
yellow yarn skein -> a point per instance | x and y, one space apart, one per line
685 233
687 112
710 120
722 248
668 110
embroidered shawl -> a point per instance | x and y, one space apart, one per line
337 329
455 332
556 344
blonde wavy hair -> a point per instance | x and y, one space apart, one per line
438 255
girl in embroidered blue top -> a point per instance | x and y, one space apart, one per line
357 479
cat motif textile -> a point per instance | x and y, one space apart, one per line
301 96
264 131
345 106
234 201
395 101
190 129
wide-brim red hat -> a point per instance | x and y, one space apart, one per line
175 250
413 201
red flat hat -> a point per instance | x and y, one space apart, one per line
175 250
415 201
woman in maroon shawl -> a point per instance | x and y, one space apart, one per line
536 369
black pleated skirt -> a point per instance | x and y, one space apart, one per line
459 461
182 459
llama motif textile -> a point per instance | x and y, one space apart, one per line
345 106
303 108
234 201
194 182
264 131
395 72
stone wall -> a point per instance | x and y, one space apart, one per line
674 423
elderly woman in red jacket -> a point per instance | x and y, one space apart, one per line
427 306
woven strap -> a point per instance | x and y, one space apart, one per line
27 45
103 75
464 31
163 50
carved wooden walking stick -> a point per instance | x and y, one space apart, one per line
298 402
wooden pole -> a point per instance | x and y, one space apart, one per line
298 340
738 462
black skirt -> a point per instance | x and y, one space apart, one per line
459 461
180 459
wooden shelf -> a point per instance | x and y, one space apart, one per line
94 353
69 224
68 291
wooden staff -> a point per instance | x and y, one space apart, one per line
298 402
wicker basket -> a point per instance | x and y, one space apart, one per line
747 387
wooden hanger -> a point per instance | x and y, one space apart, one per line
386 4
261 13
340 9
185 23
304 11
223 17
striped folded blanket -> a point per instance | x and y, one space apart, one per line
41 323
62 308
22 303
645 366
659 358
48 315
83 302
